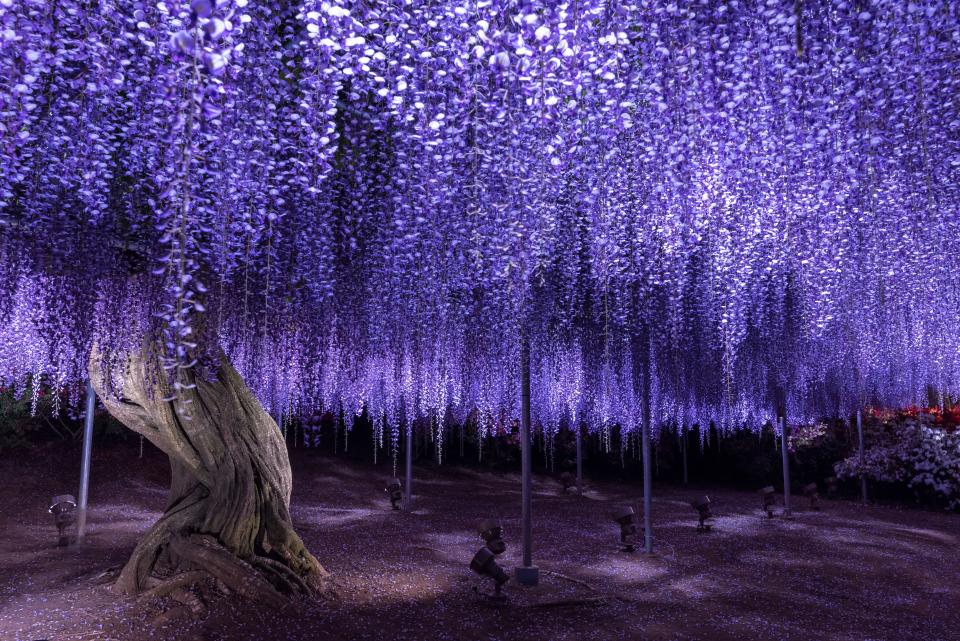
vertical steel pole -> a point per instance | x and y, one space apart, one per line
786 466
645 444
683 450
85 463
863 477
579 461
528 574
408 460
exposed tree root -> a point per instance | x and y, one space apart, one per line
192 601
178 582
201 557
168 616
238 575
564 603
571 579
288 580
105 576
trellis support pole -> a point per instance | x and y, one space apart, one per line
85 463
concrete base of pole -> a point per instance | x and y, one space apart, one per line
528 575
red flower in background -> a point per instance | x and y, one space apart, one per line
947 420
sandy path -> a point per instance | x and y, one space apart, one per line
848 572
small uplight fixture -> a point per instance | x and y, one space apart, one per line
485 564
63 507
395 491
626 518
768 499
702 506
567 480
810 491
492 534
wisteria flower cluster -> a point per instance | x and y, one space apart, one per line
736 206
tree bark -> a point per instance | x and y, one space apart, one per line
228 512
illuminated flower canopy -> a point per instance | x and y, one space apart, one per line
365 203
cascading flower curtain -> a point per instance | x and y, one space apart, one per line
363 203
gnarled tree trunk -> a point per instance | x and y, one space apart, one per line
228 513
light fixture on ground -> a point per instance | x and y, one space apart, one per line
395 491
492 534
810 491
567 480
626 518
768 499
485 563
63 507
702 506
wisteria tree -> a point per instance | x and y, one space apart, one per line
225 210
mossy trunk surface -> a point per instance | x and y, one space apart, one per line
228 512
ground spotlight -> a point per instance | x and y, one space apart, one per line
395 491
567 480
484 563
492 534
769 499
702 506
810 491
626 518
63 508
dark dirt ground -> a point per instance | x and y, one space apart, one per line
847 572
